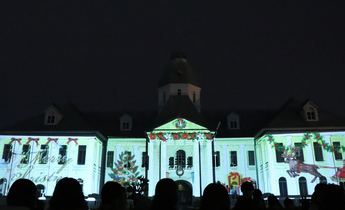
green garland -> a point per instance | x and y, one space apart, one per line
307 138
164 136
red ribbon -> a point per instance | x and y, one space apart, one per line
70 139
17 140
32 139
50 139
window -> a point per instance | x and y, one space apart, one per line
51 119
283 186
233 124
180 159
110 159
233 158
216 158
171 162
3 184
303 186
62 154
310 111
26 154
194 97
299 152
7 154
251 158
125 126
126 122
189 162
337 155
318 152
279 153
44 154
179 92
145 160
81 154
233 121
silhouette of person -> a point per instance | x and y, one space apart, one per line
22 195
68 195
113 196
288 204
165 195
246 200
258 201
215 197
273 203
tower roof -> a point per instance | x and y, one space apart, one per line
179 71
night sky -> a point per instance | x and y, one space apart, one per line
109 55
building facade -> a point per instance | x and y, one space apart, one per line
284 152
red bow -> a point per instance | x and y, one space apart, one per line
32 139
50 139
17 140
70 139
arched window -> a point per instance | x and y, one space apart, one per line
194 97
283 186
179 92
303 189
3 183
181 158
323 180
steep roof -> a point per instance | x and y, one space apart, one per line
179 106
179 71
290 119
72 123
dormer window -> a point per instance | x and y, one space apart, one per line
179 92
233 121
126 122
310 112
52 116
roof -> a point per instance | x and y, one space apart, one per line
179 106
290 119
72 123
179 71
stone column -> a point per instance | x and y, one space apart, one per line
163 158
196 167
151 170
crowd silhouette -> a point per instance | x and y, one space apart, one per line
68 195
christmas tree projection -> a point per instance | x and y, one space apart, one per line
125 171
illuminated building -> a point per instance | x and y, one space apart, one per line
180 141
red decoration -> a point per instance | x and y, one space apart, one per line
50 139
71 139
152 136
17 140
185 136
234 177
32 139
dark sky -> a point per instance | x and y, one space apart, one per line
109 55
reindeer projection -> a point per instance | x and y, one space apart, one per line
297 167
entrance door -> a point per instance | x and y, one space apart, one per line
184 192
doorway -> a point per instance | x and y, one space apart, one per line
184 192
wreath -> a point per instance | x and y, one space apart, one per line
179 171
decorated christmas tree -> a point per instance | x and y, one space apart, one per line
125 171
